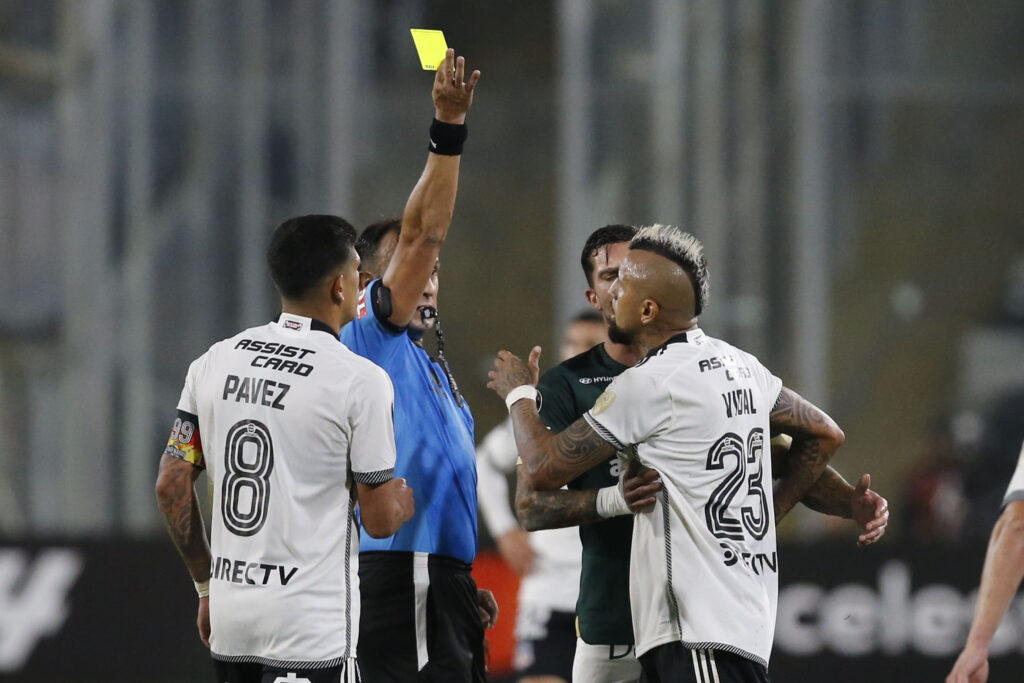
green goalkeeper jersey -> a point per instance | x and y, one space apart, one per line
569 390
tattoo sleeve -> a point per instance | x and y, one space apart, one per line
553 509
830 495
815 438
180 507
551 460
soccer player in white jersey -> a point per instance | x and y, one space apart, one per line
548 560
293 430
703 574
1000 578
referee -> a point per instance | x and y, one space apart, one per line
421 619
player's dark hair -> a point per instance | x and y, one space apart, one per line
681 248
588 316
602 237
368 244
305 249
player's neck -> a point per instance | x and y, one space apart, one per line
624 354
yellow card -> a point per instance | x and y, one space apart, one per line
431 47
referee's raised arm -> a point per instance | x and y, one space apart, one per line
428 212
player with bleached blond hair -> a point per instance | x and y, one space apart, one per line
704 564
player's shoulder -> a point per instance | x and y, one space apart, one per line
360 369
724 348
230 343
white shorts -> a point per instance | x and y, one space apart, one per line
605 664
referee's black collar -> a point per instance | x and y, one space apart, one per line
315 324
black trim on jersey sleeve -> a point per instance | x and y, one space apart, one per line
602 432
380 305
374 478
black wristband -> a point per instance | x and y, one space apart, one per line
447 138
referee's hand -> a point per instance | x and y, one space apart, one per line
453 93
487 606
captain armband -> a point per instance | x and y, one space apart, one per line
184 441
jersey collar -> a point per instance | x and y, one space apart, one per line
691 336
298 322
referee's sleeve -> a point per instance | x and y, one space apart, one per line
371 419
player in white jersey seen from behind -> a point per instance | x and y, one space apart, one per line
704 566
549 560
293 430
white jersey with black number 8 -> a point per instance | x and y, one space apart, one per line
289 419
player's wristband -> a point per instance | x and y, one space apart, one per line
611 502
521 392
447 138
202 588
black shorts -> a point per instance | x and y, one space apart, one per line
419 620
551 652
236 672
676 663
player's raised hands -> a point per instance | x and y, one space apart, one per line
453 93
510 371
870 511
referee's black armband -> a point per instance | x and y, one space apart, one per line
447 138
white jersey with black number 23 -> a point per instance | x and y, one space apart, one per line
704 566
289 418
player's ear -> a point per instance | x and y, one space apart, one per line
365 278
336 292
592 298
650 311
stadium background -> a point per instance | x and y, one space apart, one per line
853 167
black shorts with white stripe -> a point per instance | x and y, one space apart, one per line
419 620
243 672
676 663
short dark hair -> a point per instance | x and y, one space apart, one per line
587 316
368 244
681 248
602 237
305 249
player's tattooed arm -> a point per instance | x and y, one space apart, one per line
553 509
175 492
551 460
815 436
833 495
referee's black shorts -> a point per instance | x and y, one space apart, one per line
679 664
419 619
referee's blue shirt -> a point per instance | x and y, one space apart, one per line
434 438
